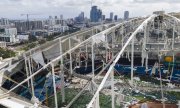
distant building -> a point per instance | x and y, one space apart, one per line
61 17
2 44
111 16
51 21
55 21
126 15
70 21
80 17
99 15
95 14
35 25
103 17
115 17
55 17
158 12
61 22
4 21
23 26
36 33
175 14
8 35
23 37
58 28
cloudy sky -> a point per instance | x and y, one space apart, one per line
71 8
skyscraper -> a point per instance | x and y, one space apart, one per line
126 15
103 17
55 17
99 14
111 16
61 17
51 21
115 17
95 14
4 21
80 17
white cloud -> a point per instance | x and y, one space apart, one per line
71 8
157 1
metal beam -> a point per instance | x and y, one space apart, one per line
117 58
54 86
62 72
30 71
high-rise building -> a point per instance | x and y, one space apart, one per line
51 21
23 26
99 15
103 17
111 16
4 21
61 17
126 15
115 17
80 17
50 17
8 35
95 14
36 25
59 22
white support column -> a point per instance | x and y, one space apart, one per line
146 38
165 39
106 49
113 42
173 39
86 55
54 86
97 101
62 73
32 66
30 71
146 62
122 36
79 59
144 45
27 72
71 71
132 60
122 39
162 92
92 56
92 33
178 104
112 89
96 30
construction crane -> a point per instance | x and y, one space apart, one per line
27 16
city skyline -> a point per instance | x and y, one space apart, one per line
13 9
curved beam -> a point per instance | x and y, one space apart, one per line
175 18
117 58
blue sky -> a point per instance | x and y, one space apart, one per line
71 8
